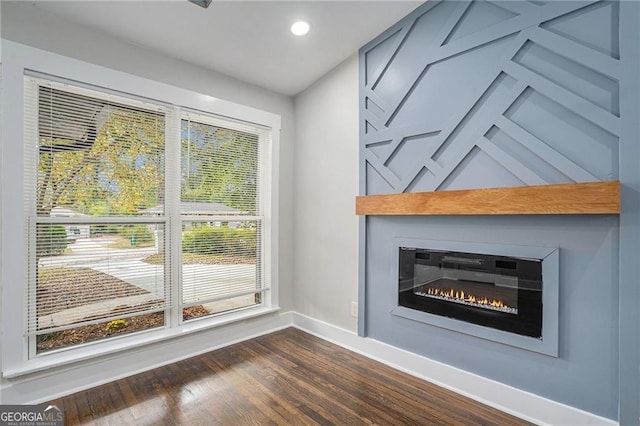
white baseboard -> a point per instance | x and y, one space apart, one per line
54 383
525 405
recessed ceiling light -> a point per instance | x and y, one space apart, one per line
300 28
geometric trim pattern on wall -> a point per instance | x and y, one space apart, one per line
489 94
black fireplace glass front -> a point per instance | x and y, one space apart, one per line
501 292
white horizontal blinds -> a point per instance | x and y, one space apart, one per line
221 212
95 273
97 155
219 262
94 196
220 167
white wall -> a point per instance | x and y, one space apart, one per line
27 25
326 182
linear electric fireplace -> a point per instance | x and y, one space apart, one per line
501 292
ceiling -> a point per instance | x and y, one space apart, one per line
249 40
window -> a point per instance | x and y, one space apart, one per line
141 215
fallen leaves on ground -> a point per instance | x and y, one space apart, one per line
93 332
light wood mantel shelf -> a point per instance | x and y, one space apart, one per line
572 198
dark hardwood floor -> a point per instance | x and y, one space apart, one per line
285 378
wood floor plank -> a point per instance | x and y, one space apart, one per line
284 378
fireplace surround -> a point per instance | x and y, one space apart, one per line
504 293
500 292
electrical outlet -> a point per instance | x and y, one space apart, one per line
354 309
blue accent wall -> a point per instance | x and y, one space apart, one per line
494 94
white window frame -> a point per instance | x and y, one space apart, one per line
20 60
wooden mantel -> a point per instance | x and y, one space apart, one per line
572 198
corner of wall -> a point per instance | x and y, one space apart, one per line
629 340
325 226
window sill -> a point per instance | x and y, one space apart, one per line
119 344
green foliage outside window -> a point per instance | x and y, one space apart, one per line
118 173
52 240
220 241
219 166
137 234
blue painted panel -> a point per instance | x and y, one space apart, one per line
455 70
569 134
477 163
492 94
579 26
478 16
451 86
583 81
585 373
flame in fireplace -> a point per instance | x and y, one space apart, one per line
460 296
